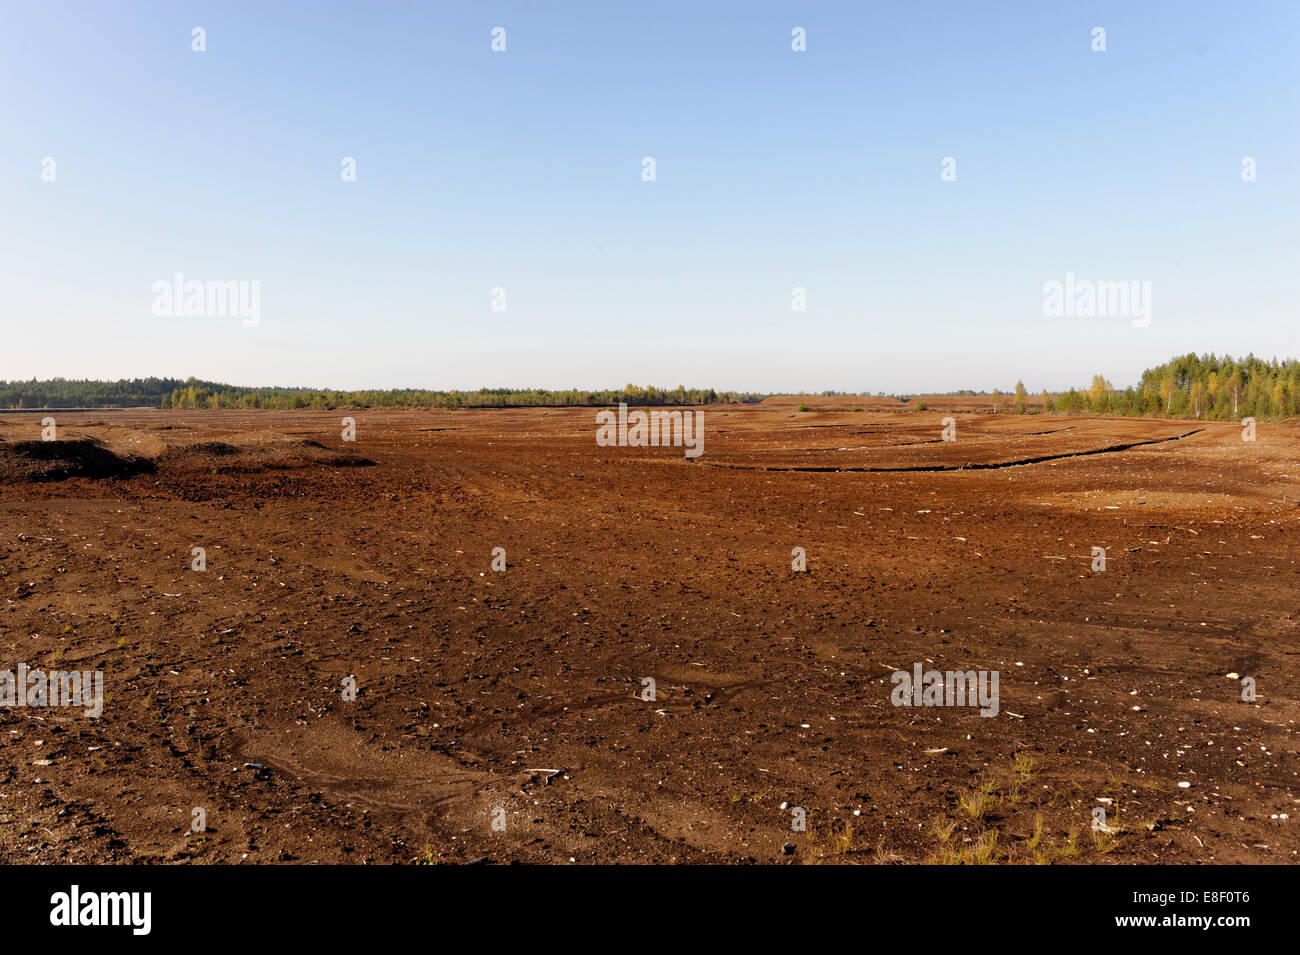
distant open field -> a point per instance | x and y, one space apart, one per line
521 690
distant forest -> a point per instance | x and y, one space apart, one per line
191 393
1206 387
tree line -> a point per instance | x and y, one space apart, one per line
1207 387
192 393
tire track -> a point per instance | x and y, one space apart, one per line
931 468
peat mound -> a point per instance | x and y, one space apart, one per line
70 458
267 454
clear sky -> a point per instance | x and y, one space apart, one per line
523 170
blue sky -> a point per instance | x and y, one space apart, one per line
522 170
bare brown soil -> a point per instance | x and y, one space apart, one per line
521 690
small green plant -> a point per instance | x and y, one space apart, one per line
842 842
942 828
427 856
1103 842
983 851
1033 841
839 842
979 802
986 847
